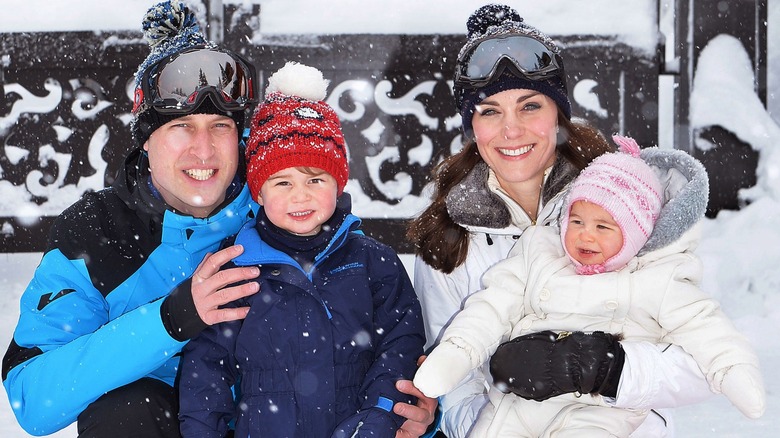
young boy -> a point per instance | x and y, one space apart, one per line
336 321
587 277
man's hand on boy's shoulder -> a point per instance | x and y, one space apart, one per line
211 290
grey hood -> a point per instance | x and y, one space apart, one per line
686 192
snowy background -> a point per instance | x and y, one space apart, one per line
740 249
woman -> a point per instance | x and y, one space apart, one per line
522 150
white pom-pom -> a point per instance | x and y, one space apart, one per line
296 79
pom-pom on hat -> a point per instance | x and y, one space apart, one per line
170 27
499 21
626 187
294 127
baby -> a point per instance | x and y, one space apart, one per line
588 277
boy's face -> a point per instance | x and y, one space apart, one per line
592 235
193 160
299 202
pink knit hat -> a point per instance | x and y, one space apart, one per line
626 187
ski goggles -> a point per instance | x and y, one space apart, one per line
178 84
526 56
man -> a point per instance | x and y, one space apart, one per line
132 272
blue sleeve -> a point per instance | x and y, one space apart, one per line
208 373
400 338
373 422
435 427
67 351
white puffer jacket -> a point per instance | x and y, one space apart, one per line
654 298
654 376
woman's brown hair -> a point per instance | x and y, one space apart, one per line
442 243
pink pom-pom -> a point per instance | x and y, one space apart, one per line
627 145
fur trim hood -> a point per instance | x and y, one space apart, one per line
686 193
473 204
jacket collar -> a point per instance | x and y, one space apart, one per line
472 204
130 187
133 187
256 251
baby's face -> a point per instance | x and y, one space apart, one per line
592 235
299 200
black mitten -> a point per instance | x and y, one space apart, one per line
546 364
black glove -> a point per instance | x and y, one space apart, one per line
179 314
547 364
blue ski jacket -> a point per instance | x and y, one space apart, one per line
320 351
92 319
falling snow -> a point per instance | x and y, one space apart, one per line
745 282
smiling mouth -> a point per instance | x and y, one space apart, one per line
516 152
200 174
301 213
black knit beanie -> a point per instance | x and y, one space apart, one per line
170 28
495 20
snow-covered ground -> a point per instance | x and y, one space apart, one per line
740 250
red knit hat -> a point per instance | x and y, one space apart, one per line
626 187
294 127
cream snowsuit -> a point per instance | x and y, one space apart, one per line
654 298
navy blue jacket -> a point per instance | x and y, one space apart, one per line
92 317
320 350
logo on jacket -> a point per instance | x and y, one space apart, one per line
346 267
47 299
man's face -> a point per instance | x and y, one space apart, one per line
193 159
